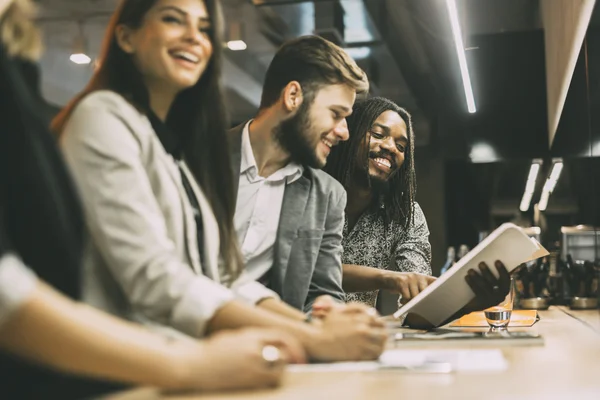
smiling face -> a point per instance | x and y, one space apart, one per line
172 47
317 126
385 145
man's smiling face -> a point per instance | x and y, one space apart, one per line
385 146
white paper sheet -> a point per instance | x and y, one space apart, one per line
461 360
449 293
359 366
420 361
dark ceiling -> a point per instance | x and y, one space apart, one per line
489 153
413 61
507 67
407 48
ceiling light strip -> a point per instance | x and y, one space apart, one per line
530 186
460 50
550 185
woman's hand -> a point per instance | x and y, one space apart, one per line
244 359
407 284
348 332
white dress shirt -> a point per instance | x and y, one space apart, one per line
257 211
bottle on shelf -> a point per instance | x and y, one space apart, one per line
450 260
555 280
463 250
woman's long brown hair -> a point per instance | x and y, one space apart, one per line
197 115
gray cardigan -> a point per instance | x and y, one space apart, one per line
308 249
141 260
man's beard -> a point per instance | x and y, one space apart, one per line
377 185
363 179
293 135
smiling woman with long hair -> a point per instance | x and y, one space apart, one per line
145 146
189 101
50 345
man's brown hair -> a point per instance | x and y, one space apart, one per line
313 62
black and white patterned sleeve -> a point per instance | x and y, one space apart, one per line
413 250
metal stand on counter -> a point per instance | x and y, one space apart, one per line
569 275
581 255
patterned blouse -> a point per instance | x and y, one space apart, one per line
371 244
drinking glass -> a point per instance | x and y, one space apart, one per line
498 316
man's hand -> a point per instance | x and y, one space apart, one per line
350 332
489 290
406 284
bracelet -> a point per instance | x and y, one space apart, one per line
402 318
400 301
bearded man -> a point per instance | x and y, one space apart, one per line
289 214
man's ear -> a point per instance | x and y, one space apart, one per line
124 37
292 96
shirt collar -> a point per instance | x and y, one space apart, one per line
248 160
291 172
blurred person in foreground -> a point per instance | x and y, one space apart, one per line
52 346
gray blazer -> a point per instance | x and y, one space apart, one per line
307 255
141 261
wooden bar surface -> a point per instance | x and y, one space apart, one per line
590 318
567 366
